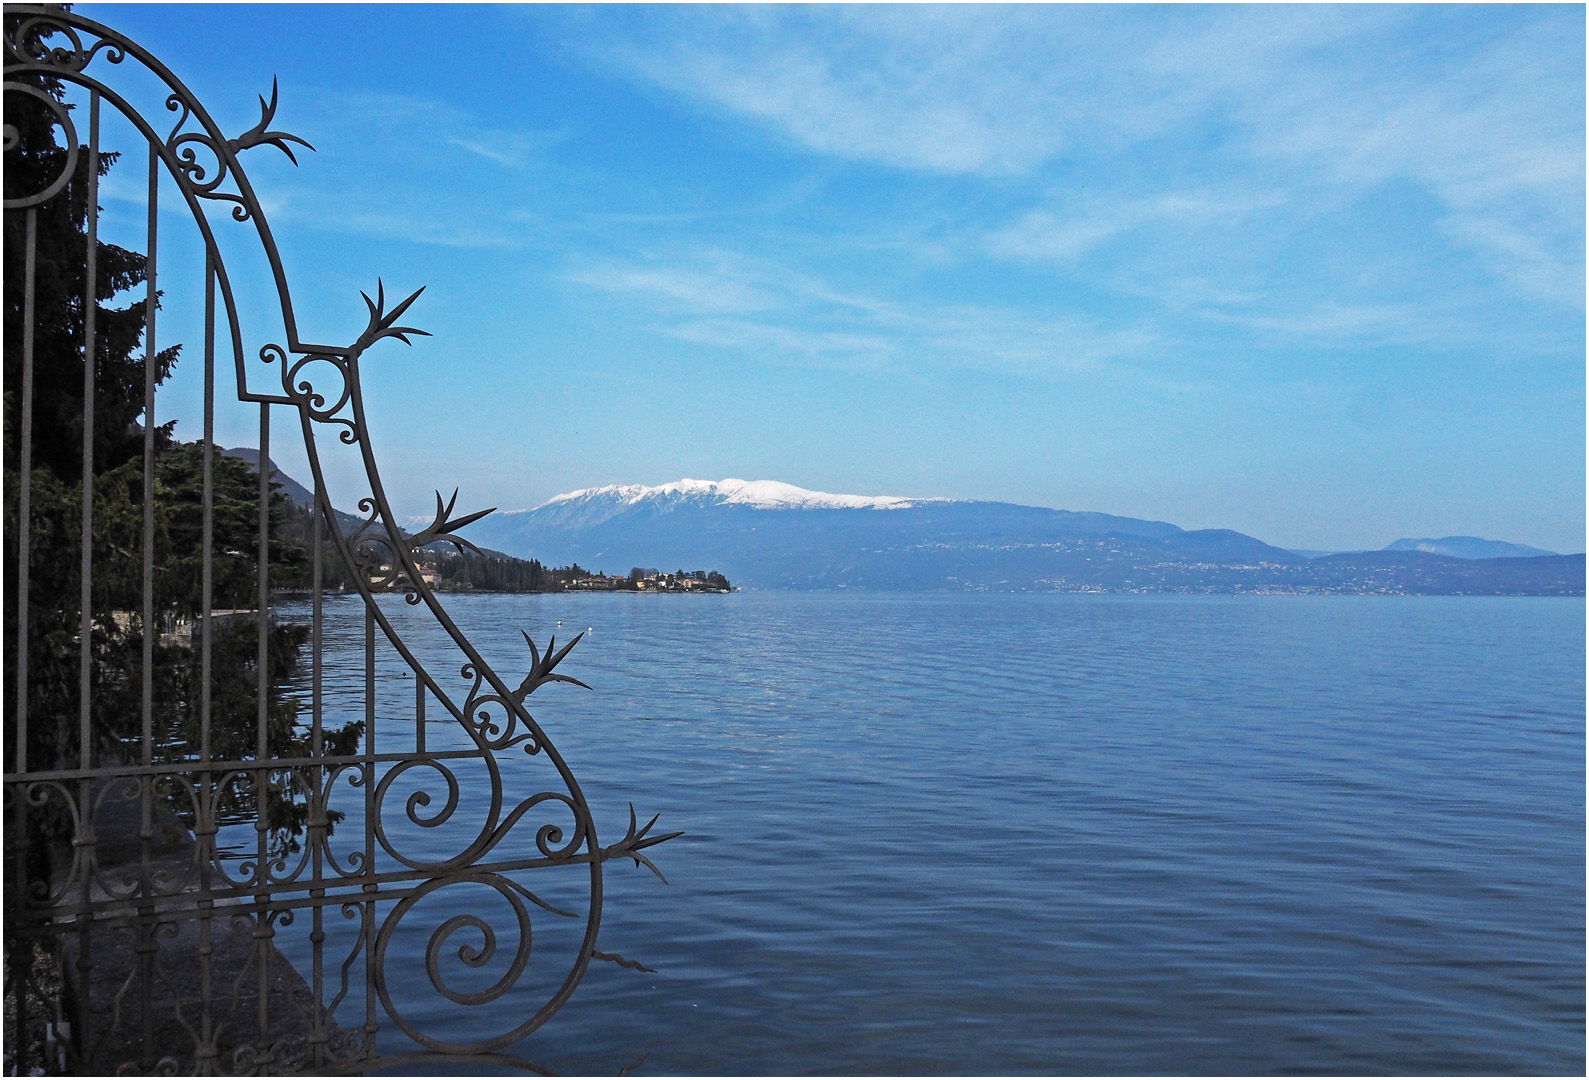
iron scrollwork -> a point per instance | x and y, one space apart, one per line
204 178
350 898
61 118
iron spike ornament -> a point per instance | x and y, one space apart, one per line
168 942
541 669
444 529
258 136
381 320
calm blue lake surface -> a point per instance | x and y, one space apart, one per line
1059 834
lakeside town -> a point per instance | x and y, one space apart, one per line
445 568
497 573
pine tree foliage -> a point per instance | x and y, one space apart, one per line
116 597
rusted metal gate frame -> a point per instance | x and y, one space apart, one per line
203 162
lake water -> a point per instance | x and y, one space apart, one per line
1064 834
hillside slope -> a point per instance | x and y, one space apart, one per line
775 536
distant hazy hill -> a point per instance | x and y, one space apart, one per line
771 535
303 497
1469 547
295 491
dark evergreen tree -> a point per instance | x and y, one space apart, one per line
116 599
61 246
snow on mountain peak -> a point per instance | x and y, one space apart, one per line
760 494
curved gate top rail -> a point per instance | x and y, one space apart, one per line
199 878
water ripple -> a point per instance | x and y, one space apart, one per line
1011 834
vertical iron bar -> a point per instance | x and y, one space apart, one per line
16 895
147 944
262 638
85 569
317 934
370 886
25 489
419 714
262 946
150 361
205 834
207 579
264 581
369 687
86 555
19 952
370 1026
262 747
316 736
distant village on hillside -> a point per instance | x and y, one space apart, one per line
446 569
493 572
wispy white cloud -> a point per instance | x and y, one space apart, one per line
944 89
1494 134
1310 107
412 168
419 126
770 312
1067 228
431 229
716 283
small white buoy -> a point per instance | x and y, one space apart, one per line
590 629
559 622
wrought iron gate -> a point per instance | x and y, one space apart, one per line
168 814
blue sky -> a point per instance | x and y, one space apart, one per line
1315 274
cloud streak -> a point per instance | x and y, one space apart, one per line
773 313
1307 107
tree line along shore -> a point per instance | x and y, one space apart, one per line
468 572
447 570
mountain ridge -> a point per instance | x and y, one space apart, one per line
767 534
761 494
1467 547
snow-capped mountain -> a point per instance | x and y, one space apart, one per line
764 533
761 494
767 534
770 535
